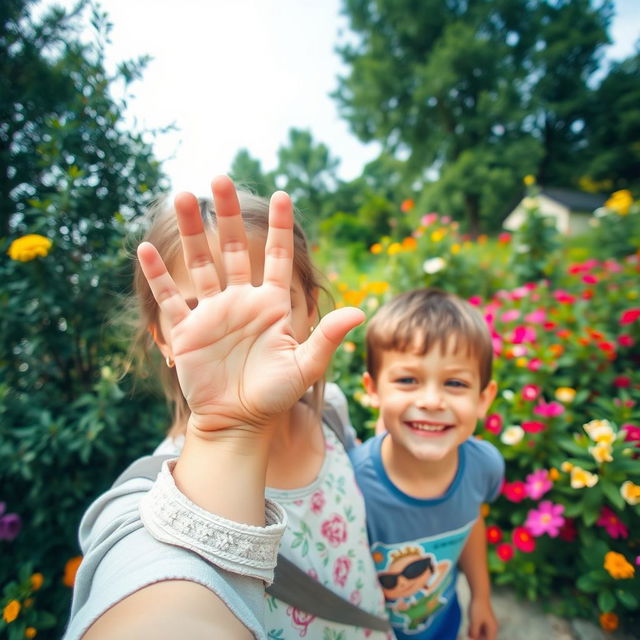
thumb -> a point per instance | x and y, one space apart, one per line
314 354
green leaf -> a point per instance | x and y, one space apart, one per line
613 494
606 601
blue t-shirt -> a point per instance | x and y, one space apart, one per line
416 543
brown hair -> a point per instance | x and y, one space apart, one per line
162 232
421 319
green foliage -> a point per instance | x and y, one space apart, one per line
474 94
567 416
73 184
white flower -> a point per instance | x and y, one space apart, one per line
508 395
433 265
512 435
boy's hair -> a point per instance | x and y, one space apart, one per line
419 320
162 232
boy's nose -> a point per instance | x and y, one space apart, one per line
430 398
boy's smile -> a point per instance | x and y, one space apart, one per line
429 403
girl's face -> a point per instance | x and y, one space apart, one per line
303 314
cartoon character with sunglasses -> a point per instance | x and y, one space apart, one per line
413 584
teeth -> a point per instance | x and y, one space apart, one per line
427 427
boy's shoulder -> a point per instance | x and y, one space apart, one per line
481 452
366 452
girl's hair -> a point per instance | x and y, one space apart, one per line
419 320
163 233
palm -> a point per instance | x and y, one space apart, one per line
236 358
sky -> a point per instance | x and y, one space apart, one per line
234 74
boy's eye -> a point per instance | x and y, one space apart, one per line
406 380
458 384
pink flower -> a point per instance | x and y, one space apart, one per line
536 317
341 570
523 334
355 597
625 340
514 491
530 392
534 364
629 316
334 530
523 539
519 293
317 501
610 522
547 518
301 620
564 297
428 219
493 423
631 432
589 279
538 484
533 426
510 316
548 409
476 301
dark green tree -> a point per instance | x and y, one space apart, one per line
247 171
72 175
465 90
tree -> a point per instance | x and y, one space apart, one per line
247 171
463 90
73 185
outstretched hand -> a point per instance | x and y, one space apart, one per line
237 360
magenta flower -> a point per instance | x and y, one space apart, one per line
610 522
538 484
530 392
536 317
523 334
510 316
493 423
547 518
625 340
631 432
548 409
533 426
10 524
629 316
534 364
564 297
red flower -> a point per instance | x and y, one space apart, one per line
514 491
568 531
610 522
407 205
564 297
605 345
625 340
533 426
493 423
504 551
622 382
523 540
494 534
629 316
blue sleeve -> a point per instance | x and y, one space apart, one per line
495 471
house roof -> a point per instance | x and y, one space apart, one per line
574 200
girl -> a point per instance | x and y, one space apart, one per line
233 313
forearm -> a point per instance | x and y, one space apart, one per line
473 561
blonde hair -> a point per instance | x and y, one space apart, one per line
419 320
162 232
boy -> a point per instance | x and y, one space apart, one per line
429 357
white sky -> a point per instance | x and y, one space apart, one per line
241 73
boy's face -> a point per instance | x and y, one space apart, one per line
430 403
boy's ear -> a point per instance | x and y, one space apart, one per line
487 396
370 387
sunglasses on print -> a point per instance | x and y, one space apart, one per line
411 571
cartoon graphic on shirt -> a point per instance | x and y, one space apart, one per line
418 577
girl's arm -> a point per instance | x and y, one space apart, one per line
473 562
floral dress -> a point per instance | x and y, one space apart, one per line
326 536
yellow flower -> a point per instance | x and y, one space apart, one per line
30 632
455 248
354 298
601 452
521 362
36 581
565 394
342 287
609 621
376 248
554 474
11 611
617 566
600 431
529 180
29 247
630 492
394 247
581 478
378 287
566 466
349 346
438 234
620 202
485 510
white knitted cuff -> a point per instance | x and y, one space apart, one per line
169 516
